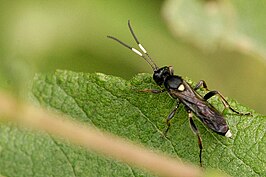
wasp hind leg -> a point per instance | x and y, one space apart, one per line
196 132
210 94
225 103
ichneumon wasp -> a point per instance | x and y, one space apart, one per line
184 93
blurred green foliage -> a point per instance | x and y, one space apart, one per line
42 36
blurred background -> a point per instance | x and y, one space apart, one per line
222 42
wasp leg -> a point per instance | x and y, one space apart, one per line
153 91
210 94
170 116
196 132
225 103
200 84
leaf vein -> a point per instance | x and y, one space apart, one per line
143 114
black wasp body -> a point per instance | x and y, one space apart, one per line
180 90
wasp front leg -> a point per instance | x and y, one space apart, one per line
196 132
155 91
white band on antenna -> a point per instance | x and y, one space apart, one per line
136 51
142 48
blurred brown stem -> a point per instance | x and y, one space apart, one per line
93 139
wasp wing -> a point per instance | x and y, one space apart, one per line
208 114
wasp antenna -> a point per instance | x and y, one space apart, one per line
146 57
124 44
127 46
154 66
133 49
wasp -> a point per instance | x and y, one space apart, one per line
185 94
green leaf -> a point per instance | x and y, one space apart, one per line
238 25
115 105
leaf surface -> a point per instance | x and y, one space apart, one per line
115 105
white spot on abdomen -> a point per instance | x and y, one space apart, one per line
228 134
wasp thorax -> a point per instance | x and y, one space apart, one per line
175 83
161 74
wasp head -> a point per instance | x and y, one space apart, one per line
161 74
